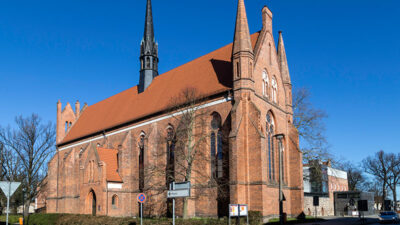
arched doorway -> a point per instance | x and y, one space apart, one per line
92 204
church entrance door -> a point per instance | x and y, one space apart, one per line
92 202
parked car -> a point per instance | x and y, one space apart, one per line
388 217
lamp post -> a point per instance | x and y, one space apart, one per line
279 137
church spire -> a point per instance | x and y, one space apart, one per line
283 64
242 41
242 53
148 52
148 27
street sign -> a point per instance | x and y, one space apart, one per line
141 198
362 205
178 193
183 185
315 200
9 189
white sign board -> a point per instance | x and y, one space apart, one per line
183 185
233 210
178 193
238 210
243 210
9 188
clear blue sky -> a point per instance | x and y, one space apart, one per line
346 52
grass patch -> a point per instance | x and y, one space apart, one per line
11 218
308 219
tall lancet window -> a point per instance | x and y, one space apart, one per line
274 90
147 62
170 170
270 128
216 147
141 145
265 87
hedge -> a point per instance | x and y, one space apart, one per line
255 218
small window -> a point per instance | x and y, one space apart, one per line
265 83
114 202
274 90
251 70
237 70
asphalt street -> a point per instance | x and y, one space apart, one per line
347 221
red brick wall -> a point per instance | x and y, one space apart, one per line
245 119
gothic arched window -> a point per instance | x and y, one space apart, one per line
265 87
251 70
274 90
216 147
147 62
114 201
237 70
141 145
270 128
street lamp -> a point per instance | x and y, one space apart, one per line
280 138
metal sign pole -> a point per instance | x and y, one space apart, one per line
238 218
173 211
173 205
8 201
141 213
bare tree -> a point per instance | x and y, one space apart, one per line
379 166
185 147
394 177
355 176
31 143
310 125
191 137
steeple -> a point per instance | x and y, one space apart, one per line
283 64
242 41
148 52
242 53
284 68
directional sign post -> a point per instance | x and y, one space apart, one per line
178 193
178 190
141 199
8 189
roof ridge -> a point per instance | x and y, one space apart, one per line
209 74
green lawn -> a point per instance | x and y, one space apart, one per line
295 220
11 218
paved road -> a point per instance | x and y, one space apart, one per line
346 221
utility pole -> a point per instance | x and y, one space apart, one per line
279 137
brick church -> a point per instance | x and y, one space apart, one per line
109 152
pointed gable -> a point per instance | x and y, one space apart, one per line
110 158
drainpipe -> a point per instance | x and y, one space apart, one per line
58 170
106 198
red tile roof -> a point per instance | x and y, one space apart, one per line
209 74
110 158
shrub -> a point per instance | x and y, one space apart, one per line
255 218
43 219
